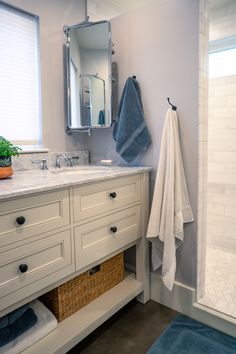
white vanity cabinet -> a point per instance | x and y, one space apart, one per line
35 244
117 222
48 238
99 238
33 266
26 217
106 196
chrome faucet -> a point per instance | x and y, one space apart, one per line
43 163
65 157
69 160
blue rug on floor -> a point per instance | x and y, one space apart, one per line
187 336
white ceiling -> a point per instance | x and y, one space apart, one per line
215 4
107 9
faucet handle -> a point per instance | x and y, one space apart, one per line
70 160
43 162
58 160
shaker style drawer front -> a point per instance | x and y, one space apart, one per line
30 216
97 239
102 197
24 265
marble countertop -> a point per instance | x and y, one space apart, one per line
35 181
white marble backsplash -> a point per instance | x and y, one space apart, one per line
24 161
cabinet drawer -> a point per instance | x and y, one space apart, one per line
42 213
42 257
97 239
98 198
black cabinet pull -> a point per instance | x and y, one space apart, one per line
20 220
114 229
113 195
23 268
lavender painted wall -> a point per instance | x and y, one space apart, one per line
159 44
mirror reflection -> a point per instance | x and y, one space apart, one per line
88 75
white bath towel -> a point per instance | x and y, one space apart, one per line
170 207
46 323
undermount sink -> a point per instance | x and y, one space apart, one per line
79 170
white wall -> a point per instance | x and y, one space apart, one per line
54 14
159 44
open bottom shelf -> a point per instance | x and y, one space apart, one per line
76 327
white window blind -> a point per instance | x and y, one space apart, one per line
20 104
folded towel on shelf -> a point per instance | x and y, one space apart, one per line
13 316
130 131
46 323
170 206
27 320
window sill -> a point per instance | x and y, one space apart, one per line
32 149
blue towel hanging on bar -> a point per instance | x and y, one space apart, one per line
130 132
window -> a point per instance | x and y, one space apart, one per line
222 63
20 103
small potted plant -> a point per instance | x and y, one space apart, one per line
7 150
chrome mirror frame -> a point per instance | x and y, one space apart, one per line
86 129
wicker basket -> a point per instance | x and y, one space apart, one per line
79 291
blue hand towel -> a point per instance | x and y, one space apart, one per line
11 317
130 132
101 118
21 325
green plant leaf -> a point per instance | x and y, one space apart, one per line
7 149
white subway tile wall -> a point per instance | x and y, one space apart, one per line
221 212
216 271
223 20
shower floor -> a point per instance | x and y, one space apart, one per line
220 281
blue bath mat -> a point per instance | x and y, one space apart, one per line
186 336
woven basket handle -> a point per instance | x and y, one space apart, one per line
94 270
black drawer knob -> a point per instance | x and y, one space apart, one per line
20 220
113 195
23 268
114 229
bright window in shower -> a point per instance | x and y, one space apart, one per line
222 63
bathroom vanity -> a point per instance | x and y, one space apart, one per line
56 224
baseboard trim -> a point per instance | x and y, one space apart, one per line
182 299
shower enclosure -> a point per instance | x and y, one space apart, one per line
217 271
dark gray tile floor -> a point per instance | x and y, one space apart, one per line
131 331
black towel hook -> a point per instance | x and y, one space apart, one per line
134 77
173 107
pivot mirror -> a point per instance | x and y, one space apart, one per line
88 64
